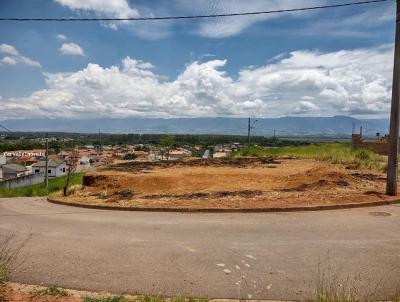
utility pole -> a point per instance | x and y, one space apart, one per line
100 148
392 166
248 133
249 127
46 174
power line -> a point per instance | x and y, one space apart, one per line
197 16
5 128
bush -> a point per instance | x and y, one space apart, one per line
49 291
363 155
129 156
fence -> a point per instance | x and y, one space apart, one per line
22 181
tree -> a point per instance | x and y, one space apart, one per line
72 164
167 142
129 156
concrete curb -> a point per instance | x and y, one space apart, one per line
227 210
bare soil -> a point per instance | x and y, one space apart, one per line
17 292
238 183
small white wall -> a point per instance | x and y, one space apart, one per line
22 181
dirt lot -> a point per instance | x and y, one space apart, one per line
229 183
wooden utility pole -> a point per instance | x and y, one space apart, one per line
392 166
46 174
248 133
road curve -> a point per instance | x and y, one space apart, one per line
273 255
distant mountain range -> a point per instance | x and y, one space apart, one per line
284 126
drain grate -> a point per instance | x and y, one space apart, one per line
380 214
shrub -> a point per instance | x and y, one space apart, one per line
49 291
363 155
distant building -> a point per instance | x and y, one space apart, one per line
219 154
9 171
84 163
56 167
179 153
207 154
26 160
380 146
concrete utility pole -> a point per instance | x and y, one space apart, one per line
249 127
100 147
248 133
46 174
392 166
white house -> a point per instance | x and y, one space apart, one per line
56 167
11 170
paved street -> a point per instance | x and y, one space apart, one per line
273 255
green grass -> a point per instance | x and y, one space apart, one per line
142 298
49 291
337 153
104 299
55 184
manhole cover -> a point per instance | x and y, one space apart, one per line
380 214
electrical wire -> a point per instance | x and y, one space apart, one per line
196 16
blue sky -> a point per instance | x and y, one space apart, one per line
259 65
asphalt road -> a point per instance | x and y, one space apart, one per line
273 255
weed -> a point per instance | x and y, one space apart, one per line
49 291
9 252
333 287
104 299
55 184
336 153
183 299
147 298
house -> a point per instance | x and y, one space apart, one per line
179 153
26 160
56 167
11 170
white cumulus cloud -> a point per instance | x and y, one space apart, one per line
14 57
350 82
6 48
116 8
72 49
61 37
